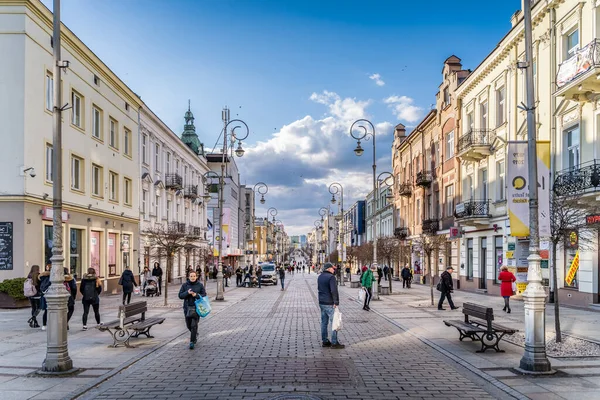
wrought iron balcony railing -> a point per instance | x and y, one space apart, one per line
430 226
584 179
191 191
405 189
178 227
173 181
401 233
473 209
423 179
475 137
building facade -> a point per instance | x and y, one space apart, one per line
100 152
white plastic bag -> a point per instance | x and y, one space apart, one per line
337 320
361 295
514 287
136 290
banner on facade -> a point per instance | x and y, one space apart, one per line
517 193
576 65
572 269
518 189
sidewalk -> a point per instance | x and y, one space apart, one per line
23 349
577 377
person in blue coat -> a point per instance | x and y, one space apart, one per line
128 282
190 291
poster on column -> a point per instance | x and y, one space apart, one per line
518 189
95 251
226 236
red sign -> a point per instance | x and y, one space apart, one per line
455 233
592 219
48 214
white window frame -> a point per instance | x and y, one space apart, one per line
96 123
49 154
127 142
500 180
145 148
144 203
501 106
127 189
97 180
484 114
113 140
113 186
449 200
572 147
449 145
157 156
76 173
485 190
76 110
570 51
49 91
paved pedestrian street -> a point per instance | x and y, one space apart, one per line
268 346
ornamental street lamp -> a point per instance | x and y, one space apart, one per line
334 189
390 181
262 189
278 234
322 212
360 134
318 227
234 137
208 179
272 211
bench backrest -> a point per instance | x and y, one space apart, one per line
131 310
481 312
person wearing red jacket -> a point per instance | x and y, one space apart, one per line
507 278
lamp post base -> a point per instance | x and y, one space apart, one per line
57 359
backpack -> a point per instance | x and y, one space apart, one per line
29 289
45 284
89 292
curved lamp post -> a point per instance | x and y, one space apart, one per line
334 189
207 178
318 226
359 130
262 189
388 179
322 212
235 137
272 211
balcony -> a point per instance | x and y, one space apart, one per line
578 181
424 179
578 78
475 145
405 189
430 226
191 191
194 231
173 181
473 212
177 227
401 233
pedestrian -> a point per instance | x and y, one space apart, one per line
71 286
127 280
158 273
90 289
34 298
303 268
329 300
405 276
282 277
238 276
379 275
206 272
386 271
366 281
259 276
506 290
347 272
44 285
446 287
145 276
190 291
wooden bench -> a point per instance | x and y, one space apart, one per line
482 328
355 284
131 322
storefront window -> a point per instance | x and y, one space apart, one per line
112 254
571 248
75 252
125 246
469 258
48 229
499 257
95 247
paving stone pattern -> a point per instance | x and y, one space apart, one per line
268 346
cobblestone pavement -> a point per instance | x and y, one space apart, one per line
268 346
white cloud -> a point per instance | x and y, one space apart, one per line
304 157
403 108
377 79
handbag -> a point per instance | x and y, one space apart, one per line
191 312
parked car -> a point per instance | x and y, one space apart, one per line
269 273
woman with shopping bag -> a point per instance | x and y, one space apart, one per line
507 287
191 291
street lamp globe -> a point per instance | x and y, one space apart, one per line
333 199
359 150
262 199
239 151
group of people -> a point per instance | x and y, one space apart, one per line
38 283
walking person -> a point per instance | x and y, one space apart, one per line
379 275
158 273
190 291
282 277
71 286
406 277
145 276
446 287
32 291
506 289
259 276
127 280
386 272
366 281
44 285
90 289
238 276
329 300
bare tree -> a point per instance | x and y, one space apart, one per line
387 250
567 217
365 253
431 245
168 239
351 252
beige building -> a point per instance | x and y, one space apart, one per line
100 154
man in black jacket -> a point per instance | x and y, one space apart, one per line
158 273
446 286
329 300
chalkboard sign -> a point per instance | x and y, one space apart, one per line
6 245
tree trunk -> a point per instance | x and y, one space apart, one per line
555 289
430 277
167 276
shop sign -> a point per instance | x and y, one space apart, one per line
592 219
6 246
125 244
48 214
573 269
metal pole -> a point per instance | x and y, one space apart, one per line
342 234
57 351
220 288
376 196
534 358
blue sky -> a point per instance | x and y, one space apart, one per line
295 71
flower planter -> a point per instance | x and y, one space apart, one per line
9 302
